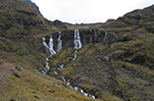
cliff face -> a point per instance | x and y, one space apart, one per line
112 60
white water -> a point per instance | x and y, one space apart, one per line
59 45
61 66
95 32
63 78
90 36
77 42
105 35
75 55
82 92
51 46
107 57
55 72
77 45
46 67
44 43
51 50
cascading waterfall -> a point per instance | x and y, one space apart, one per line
51 50
90 36
95 33
44 43
46 67
105 35
59 45
61 66
77 45
75 55
77 42
82 92
51 46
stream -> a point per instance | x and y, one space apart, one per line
77 46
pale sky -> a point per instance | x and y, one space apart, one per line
88 11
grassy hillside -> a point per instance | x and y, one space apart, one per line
21 31
121 68
117 69
32 85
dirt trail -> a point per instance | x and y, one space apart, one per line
5 68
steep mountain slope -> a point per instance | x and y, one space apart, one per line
109 61
119 67
21 31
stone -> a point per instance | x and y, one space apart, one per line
36 97
12 100
51 91
17 67
16 74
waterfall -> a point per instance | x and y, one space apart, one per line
105 35
90 36
51 50
46 67
77 42
59 45
82 92
75 56
51 46
44 43
77 45
95 33
107 57
61 66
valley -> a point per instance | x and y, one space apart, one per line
42 60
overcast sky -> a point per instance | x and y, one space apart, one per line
88 11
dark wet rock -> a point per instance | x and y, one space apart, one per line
51 91
16 74
36 97
12 100
34 92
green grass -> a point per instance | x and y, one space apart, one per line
30 85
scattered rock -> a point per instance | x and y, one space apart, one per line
16 74
1 62
51 91
64 85
36 97
17 67
34 92
13 69
12 100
